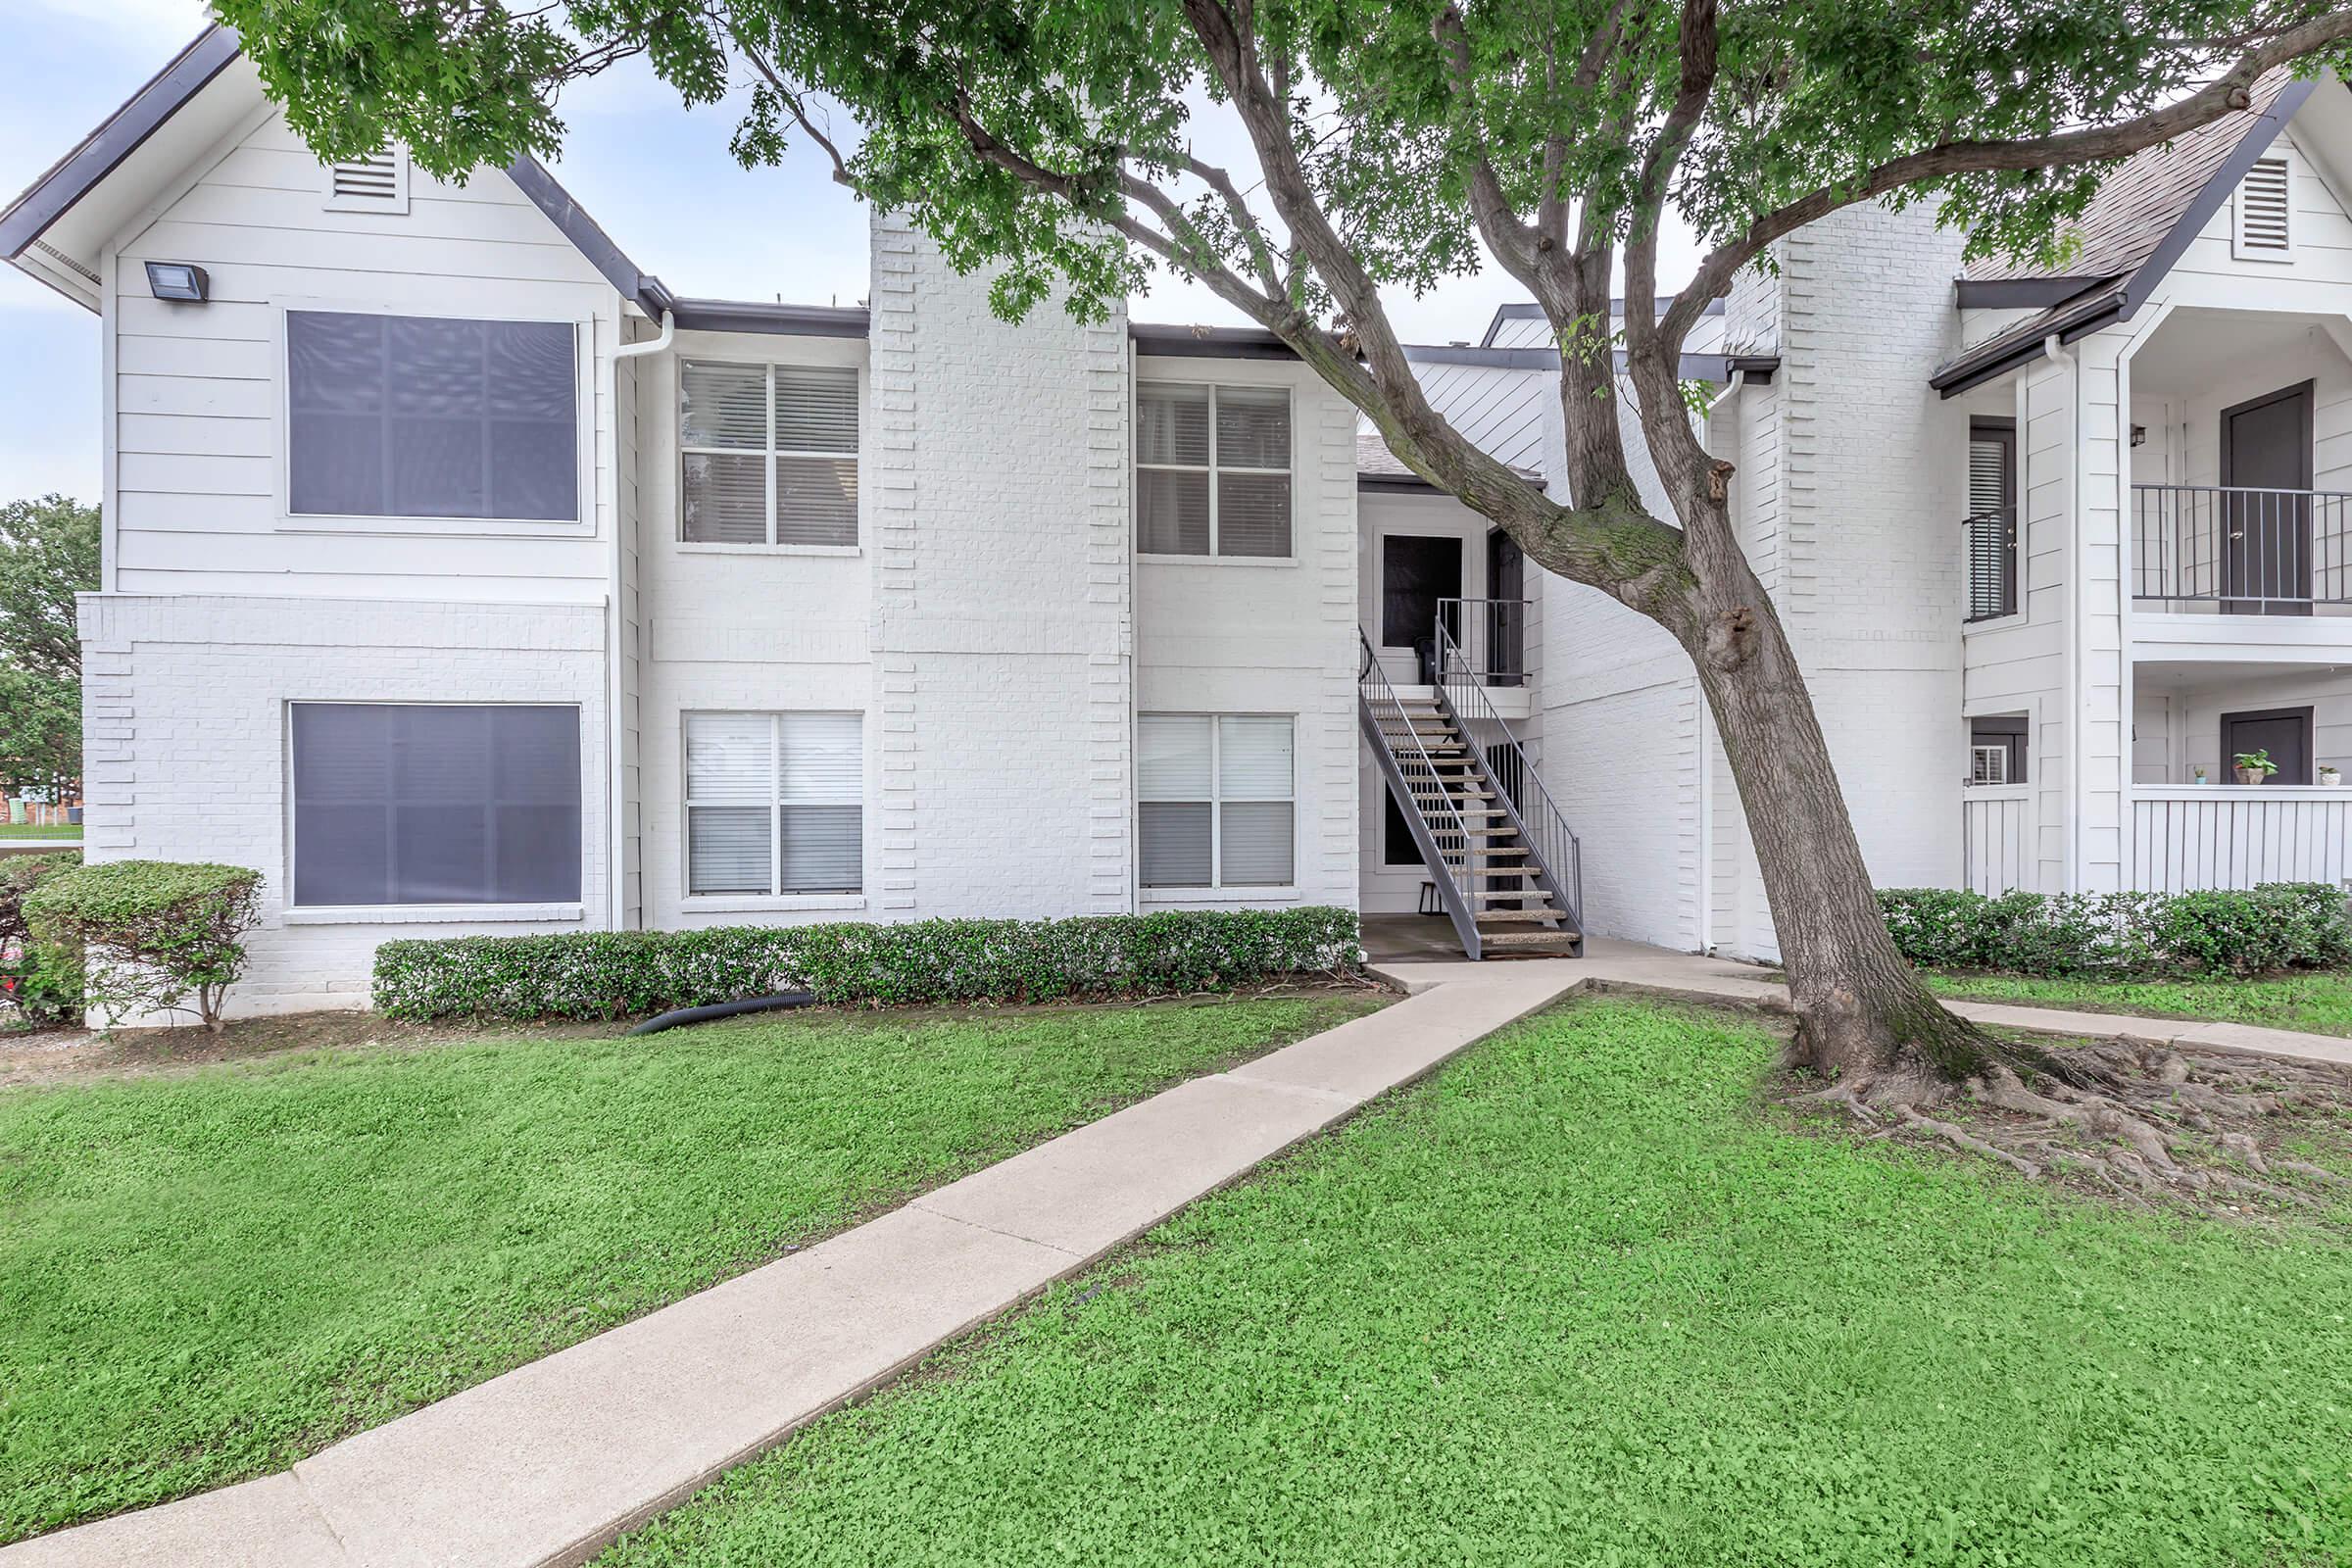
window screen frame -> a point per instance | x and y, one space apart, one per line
441 911
1214 470
1216 803
779 896
585 430
680 452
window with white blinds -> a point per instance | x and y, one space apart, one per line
768 453
774 803
1212 471
2264 230
1215 800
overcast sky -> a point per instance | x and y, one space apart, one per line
656 176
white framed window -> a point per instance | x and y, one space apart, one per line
431 418
375 184
1212 471
775 804
434 803
2261 226
1215 799
1988 764
768 453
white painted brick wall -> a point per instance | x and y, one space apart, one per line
184 700
1851 496
1002 635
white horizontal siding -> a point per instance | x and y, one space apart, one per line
195 499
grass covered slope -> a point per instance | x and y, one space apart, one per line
204 1277
2314 1002
1577 1299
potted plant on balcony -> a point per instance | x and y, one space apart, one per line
2328 775
2197 775
2255 767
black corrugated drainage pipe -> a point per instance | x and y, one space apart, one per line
724 1010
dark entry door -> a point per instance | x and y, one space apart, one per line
2266 537
1506 615
2283 732
1416 572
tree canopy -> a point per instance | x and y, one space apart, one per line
49 552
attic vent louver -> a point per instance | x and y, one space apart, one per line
2263 211
377 183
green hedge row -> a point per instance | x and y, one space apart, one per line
2280 925
623 974
38 983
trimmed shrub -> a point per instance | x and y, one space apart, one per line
41 982
625 974
156 935
2280 925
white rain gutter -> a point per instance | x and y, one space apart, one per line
670 333
616 777
1703 763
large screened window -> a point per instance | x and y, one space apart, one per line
775 804
1212 471
400 803
1215 801
768 453
431 416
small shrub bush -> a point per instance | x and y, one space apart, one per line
2280 925
155 936
41 982
623 974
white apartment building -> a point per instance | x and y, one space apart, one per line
463 578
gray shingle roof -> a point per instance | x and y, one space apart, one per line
2139 203
2135 228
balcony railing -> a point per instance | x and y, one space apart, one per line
2249 552
1488 638
1992 564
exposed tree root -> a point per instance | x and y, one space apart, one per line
2140 1124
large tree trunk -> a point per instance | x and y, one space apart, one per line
1864 1015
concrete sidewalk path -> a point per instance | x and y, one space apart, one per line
548 1463
1655 971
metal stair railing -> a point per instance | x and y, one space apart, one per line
1419 785
1552 847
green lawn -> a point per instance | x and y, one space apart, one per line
2317 1002
1577 1299
205 1276
28 830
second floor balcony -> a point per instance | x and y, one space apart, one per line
2233 550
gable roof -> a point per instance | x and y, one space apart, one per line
2142 219
2144 199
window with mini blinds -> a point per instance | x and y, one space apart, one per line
768 453
774 803
1215 801
1212 471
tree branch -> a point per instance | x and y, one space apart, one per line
2227 92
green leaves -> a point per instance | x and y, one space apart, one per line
49 552
2280 925
622 974
154 936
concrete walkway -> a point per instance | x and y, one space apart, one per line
550 1463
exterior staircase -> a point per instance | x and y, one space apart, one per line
1504 868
